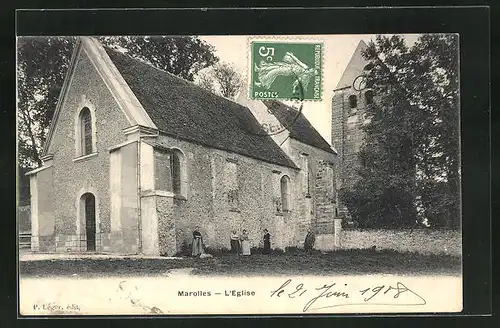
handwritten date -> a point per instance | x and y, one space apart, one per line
375 295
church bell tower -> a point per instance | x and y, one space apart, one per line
349 102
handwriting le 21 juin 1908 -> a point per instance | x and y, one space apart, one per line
372 295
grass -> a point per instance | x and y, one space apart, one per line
341 262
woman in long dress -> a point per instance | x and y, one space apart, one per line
235 243
309 242
197 242
267 242
245 243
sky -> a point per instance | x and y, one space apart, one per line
337 51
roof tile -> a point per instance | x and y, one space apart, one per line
298 125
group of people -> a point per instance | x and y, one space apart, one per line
240 244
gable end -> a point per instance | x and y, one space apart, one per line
121 92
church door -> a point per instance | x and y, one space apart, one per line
90 221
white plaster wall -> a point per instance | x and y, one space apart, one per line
149 215
149 231
34 213
147 167
115 189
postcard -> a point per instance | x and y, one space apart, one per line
239 174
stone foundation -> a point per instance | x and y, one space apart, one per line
114 242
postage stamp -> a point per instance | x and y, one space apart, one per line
279 69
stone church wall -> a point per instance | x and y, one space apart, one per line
228 191
347 133
318 201
348 136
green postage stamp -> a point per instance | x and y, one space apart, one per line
286 70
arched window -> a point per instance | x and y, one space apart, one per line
353 101
285 193
85 132
178 172
369 97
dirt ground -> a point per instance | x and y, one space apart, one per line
338 262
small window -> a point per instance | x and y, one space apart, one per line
170 171
353 101
231 184
285 193
369 97
85 132
175 168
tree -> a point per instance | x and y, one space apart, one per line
439 94
181 56
221 79
43 63
42 66
206 81
409 171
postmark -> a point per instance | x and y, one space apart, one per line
278 69
279 117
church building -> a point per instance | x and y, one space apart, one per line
136 158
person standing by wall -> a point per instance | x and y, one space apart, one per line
245 243
267 242
310 240
197 242
235 243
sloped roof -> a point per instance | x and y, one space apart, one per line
354 67
298 125
183 110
